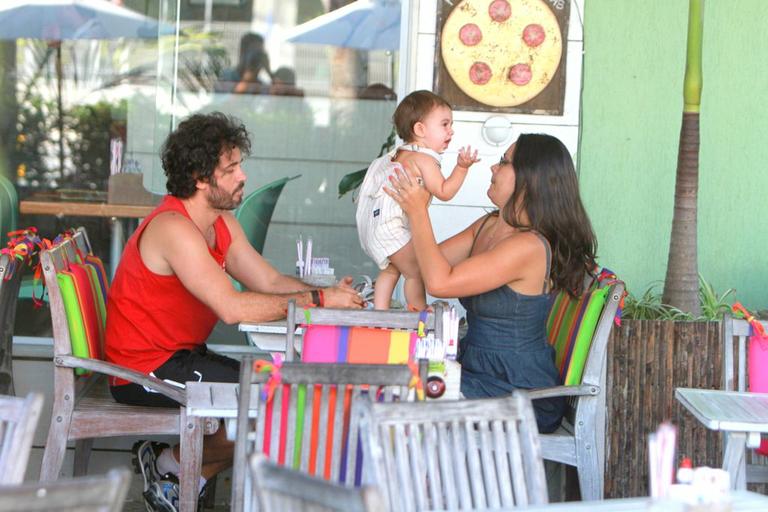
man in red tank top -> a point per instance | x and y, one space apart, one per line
172 285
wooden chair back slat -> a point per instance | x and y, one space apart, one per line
447 473
487 452
18 421
104 493
311 421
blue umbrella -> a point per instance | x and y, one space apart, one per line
57 20
364 25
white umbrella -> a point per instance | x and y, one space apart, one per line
72 19
364 24
57 20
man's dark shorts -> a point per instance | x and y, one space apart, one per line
199 364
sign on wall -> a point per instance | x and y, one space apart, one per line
502 55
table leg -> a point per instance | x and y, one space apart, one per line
734 459
116 246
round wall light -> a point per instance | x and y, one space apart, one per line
497 130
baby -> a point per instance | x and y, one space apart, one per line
424 120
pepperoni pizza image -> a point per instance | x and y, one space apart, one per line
501 53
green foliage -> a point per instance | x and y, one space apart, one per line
202 58
35 121
353 180
649 306
91 128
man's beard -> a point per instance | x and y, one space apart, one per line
220 200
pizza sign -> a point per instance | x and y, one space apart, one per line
502 55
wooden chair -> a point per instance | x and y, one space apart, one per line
105 493
83 408
9 207
462 454
311 423
10 282
277 488
18 420
735 334
580 440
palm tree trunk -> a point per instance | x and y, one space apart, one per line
681 286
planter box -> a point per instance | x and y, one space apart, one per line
647 360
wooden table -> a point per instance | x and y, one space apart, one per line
84 209
741 416
741 501
92 209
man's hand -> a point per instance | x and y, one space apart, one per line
342 295
467 157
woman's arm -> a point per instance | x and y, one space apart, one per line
449 274
458 247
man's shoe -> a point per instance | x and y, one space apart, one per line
145 461
163 494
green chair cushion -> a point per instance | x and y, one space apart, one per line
98 293
77 336
570 328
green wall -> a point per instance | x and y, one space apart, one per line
634 60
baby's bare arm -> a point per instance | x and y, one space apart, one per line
439 186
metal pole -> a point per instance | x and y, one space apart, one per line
61 108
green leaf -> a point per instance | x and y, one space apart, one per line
351 181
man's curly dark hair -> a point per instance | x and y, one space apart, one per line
192 151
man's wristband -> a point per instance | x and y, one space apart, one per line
315 297
322 298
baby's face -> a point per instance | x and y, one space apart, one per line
438 128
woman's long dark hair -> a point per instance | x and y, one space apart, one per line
546 188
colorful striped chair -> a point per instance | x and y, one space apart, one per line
83 408
579 329
306 419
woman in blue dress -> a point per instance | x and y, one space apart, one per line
505 266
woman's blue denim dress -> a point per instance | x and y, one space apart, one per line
506 348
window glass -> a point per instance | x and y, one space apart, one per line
76 111
316 110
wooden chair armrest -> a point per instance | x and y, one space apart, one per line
582 390
96 365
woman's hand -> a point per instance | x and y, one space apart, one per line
407 189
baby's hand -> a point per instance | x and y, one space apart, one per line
467 157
